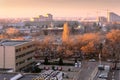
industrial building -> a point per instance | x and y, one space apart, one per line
113 17
16 55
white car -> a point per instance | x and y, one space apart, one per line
92 60
103 76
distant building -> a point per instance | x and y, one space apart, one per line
47 17
102 19
16 54
94 19
18 24
113 17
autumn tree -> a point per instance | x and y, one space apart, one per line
90 43
113 44
66 33
45 46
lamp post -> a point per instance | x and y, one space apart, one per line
100 53
101 48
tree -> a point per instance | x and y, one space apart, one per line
72 30
60 61
113 44
45 32
90 43
66 33
46 60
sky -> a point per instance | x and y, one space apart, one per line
58 8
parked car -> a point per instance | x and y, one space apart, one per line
92 60
103 75
109 60
100 67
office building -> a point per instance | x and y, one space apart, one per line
16 54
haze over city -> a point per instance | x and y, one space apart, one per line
59 8
59 40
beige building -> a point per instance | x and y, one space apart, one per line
47 17
16 54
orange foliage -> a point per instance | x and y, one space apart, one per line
68 52
114 36
11 31
90 37
2 36
90 42
48 39
89 48
66 32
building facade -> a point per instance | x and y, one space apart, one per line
113 17
16 54
47 17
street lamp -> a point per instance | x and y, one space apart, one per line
101 48
100 53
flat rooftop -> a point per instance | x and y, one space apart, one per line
12 42
29 76
5 70
8 76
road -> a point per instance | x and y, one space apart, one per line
86 71
117 75
113 74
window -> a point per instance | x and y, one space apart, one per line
18 50
24 48
29 58
17 64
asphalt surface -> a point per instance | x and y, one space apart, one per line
112 75
86 71
117 75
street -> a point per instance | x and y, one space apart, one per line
114 75
86 71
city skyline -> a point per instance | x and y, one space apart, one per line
59 8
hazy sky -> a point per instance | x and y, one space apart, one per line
59 8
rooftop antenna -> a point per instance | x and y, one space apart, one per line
97 17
